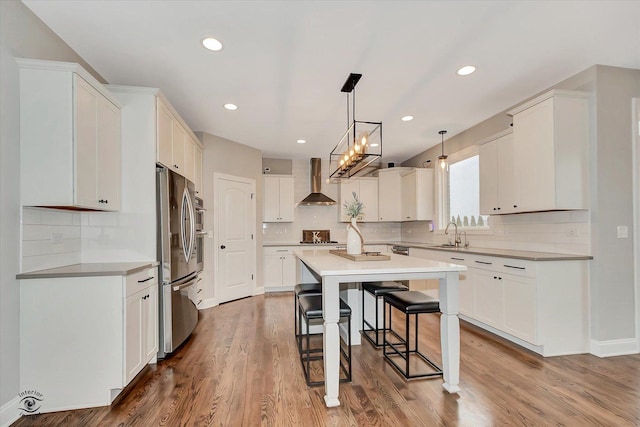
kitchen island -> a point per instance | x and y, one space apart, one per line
331 270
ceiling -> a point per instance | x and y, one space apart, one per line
284 62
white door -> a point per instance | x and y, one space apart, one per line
235 211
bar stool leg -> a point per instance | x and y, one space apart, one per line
408 341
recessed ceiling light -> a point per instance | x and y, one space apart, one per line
212 44
407 118
301 141
466 70
231 107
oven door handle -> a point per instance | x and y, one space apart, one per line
186 284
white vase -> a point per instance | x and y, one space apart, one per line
354 243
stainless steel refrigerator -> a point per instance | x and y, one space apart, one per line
177 256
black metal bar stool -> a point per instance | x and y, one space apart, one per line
410 303
311 309
299 290
378 290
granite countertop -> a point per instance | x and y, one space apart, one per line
90 269
503 253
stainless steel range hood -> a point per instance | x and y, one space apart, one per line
316 198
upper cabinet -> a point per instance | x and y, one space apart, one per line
176 146
497 179
69 138
389 195
367 190
278 198
550 151
417 195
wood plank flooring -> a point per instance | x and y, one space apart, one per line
241 368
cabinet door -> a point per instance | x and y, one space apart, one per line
489 304
271 203
368 193
150 318
507 178
286 202
108 148
189 155
273 271
533 154
133 342
424 199
289 271
164 135
197 169
520 307
389 197
409 197
86 124
179 137
489 178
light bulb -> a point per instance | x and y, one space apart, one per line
443 164
364 140
346 157
351 153
357 148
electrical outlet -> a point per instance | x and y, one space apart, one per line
56 237
623 232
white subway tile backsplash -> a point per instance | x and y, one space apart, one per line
54 217
31 216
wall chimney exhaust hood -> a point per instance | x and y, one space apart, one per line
316 198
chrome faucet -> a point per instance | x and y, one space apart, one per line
456 236
466 242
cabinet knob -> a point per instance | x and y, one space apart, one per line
498 208
495 277
175 166
223 247
515 206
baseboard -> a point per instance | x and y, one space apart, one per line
614 347
9 412
207 303
258 291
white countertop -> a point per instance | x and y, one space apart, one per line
90 269
327 264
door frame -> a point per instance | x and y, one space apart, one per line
217 176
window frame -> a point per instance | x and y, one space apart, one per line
442 194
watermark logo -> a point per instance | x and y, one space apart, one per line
30 402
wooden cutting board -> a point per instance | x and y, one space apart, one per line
365 256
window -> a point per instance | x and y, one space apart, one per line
461 198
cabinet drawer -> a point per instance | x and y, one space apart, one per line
278 250
504 265
141 280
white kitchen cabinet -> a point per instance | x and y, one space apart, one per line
97 331
550 151
197 169
176 146
279 268
497 178
417 195
367 190
389 195
278 198
541 305
70 134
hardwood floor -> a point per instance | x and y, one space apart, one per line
241 368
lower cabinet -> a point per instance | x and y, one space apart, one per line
83 339
279 269
542 305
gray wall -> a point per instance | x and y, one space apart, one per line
24 35
231 158
612 269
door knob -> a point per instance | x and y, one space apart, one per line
222 246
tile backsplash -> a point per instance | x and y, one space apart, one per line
50 238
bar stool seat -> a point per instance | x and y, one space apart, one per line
310 308
411 303
377 290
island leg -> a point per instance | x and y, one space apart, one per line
331 337
450 331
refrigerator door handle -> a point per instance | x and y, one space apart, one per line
185 285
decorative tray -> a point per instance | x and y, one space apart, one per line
364 256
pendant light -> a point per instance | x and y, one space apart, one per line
442 158
360 145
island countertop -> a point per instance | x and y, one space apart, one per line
89 269
326 264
